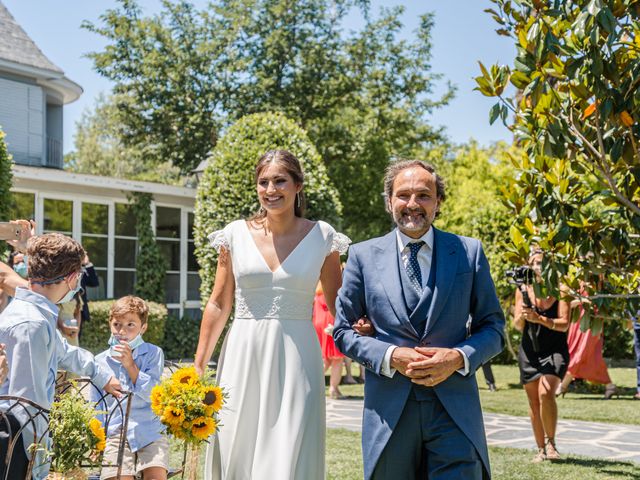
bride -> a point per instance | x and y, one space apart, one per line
273 424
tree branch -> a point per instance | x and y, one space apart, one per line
602 165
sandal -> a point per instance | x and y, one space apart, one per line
539 457
552 451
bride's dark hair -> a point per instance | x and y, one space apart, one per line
292 166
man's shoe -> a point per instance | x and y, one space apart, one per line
492 387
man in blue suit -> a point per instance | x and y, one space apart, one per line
437 319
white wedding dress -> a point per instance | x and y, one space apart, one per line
273 424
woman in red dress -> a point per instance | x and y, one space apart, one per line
586 360
323 321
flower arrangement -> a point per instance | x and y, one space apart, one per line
188 404
77 436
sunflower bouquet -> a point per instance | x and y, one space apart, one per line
188 405
77 436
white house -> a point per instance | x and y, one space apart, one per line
92 209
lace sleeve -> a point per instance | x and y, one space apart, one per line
218 239
339 243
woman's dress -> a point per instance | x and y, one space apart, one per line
322 321
585 353
543 351
273 423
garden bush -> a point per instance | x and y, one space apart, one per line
96 332
227 190
181 338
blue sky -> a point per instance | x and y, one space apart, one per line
463 35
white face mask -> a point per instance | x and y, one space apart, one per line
70 294
133 344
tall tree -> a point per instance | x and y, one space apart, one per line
99 149
577 194
185 75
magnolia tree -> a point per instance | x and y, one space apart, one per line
575 115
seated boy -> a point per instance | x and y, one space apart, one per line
138 365
35 349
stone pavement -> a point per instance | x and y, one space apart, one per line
603 440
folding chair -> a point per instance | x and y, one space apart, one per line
25 413
84 386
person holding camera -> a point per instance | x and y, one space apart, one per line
543 356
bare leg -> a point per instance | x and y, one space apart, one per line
531 389
154 473
548 407
348 378
334 379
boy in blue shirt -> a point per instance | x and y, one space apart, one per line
138 366
35 350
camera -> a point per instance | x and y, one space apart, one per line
522 275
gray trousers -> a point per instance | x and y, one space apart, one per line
427 444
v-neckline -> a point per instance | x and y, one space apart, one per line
264 260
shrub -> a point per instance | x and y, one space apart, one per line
95 332
5 188
227 191
150 264
181 338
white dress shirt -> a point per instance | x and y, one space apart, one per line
424 261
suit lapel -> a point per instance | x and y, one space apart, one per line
446 266
386 253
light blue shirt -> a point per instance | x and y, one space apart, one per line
35 351
144 426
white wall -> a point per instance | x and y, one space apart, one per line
23 121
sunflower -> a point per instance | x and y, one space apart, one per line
157 397
173 416
95 426
186 375
212 398
203 427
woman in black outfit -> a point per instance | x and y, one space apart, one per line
543 358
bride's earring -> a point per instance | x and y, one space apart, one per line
298 199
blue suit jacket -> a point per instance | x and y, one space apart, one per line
464 313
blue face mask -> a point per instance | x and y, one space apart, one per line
21 268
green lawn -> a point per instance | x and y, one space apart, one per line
344 462
584 404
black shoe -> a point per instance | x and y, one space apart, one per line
492 387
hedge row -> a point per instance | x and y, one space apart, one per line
177 337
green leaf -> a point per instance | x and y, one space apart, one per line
494 113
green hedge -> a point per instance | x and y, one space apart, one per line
181 338
96 332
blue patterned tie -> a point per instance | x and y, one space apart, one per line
413 267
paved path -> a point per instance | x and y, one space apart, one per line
604 440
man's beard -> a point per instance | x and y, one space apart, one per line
413 220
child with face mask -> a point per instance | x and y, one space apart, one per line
35 350
138 365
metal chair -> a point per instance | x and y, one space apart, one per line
84 386
31 415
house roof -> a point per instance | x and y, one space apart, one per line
16 46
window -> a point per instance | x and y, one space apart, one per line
58 216
95 240
193 277
168 237
126 246
23 206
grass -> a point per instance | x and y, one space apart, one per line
344 462
585 403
